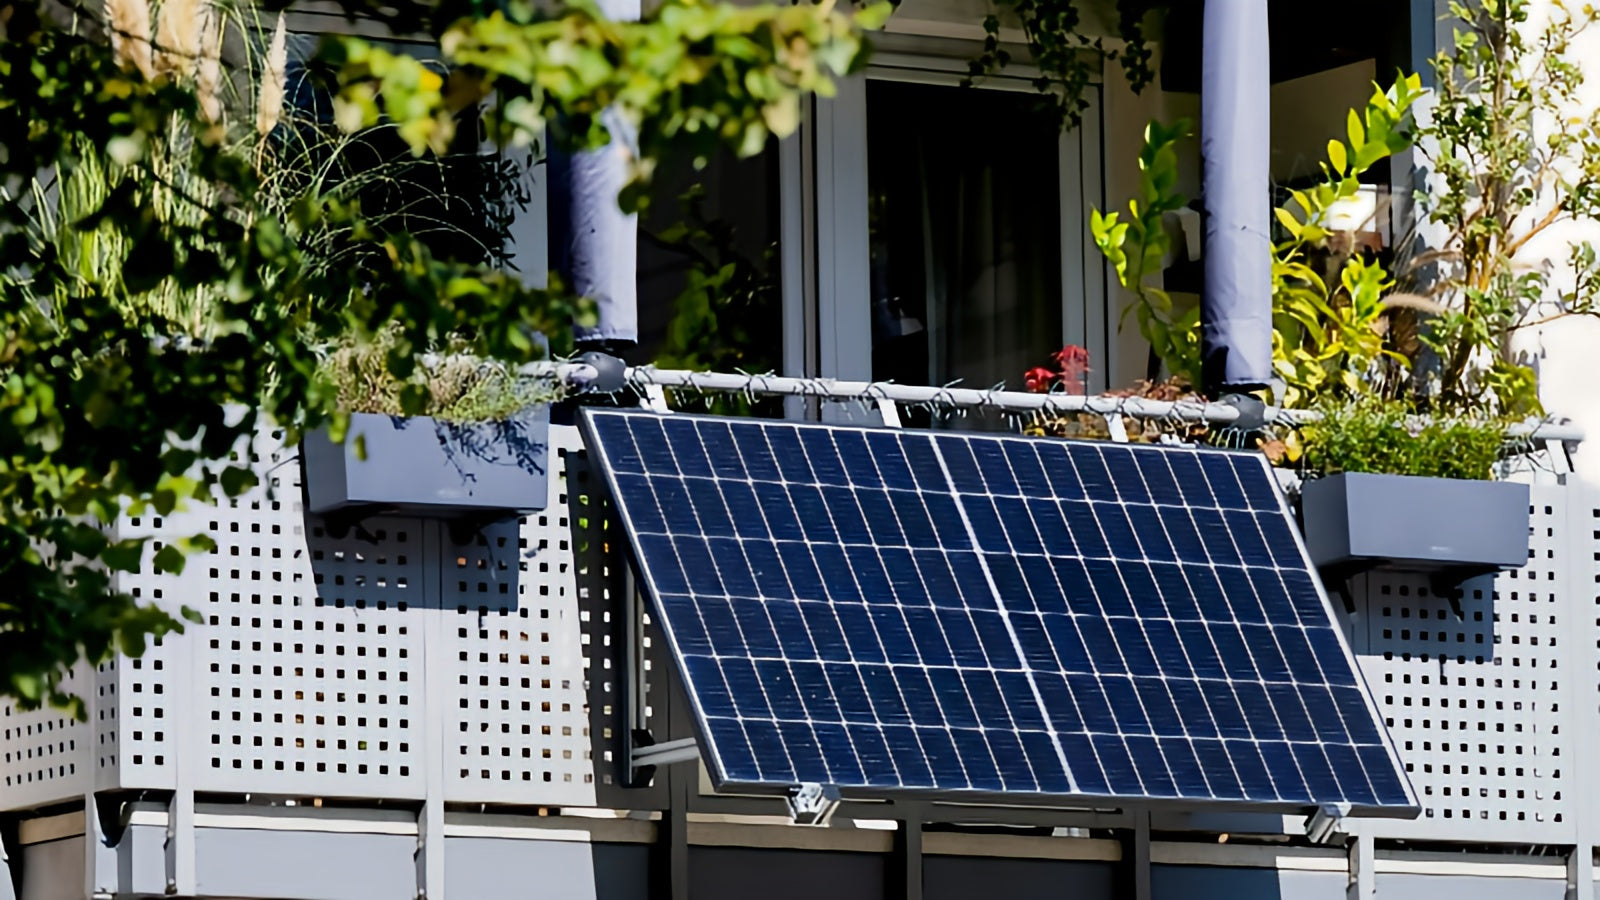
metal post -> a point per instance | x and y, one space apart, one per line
631 681
1363 884
792 217
430 818
906 862
185 768
1580 873
1135 867
671 881
1577 606
99 857
180 838
8 890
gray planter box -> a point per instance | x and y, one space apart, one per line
422 467
1356 521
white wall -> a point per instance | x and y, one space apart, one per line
1565 353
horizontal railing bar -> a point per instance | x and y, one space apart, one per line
1015 402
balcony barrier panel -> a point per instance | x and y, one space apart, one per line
391 665
349 667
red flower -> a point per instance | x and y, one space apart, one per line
1074 362
1038 379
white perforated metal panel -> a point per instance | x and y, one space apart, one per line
311 675
136 704
44 756
308 663
1473 692
517 725
307 678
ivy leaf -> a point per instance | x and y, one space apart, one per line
124 556
237 479
169 560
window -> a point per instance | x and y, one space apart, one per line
964 225
720 222
951 229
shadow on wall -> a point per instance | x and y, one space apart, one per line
1219 883
378 563
1402 617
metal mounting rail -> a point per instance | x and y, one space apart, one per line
1014 402
667 753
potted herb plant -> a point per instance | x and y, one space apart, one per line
1399 491
463 438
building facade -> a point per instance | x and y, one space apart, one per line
394 713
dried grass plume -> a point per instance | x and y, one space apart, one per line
178 30
274 77
208 78
129 23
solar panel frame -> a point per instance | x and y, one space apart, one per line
999 470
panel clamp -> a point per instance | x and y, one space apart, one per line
1322 824
812 804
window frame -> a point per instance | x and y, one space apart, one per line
834 334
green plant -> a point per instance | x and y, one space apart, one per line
1514 152
1373 435
112 400
449 385
1328 336
690 77
1135 247
722 318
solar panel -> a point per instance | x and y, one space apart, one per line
885 610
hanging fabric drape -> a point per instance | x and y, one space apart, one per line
1235 141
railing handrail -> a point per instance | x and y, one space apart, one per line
579 374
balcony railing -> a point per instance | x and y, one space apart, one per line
394 667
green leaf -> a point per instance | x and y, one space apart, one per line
236 480
1288 221
1337 157
125 555
169 559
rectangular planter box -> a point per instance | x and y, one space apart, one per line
423 467
1360 521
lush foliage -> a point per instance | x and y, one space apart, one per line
1329 329
1328 313
1374 435
1136 246
1514 153
692 77
198 319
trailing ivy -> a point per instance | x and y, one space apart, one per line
1068 60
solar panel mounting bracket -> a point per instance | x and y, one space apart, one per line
889 412
646 756
1324 823
655 399
812 804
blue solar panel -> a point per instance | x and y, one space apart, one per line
883 610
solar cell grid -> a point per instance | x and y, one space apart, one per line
887 610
